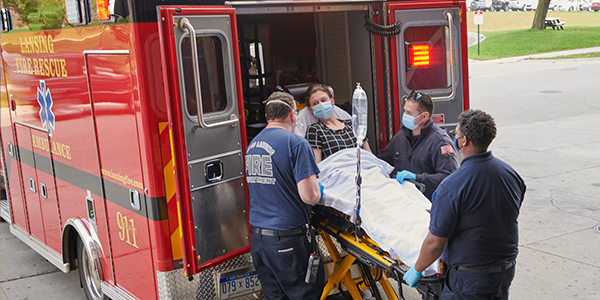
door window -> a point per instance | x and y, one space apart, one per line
211 71
427 57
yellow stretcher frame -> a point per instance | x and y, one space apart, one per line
373 260
341 275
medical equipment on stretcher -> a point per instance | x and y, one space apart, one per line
376 265
359 126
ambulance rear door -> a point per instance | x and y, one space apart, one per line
429 55
203 86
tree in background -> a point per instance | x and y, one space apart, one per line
37 14
52 14
22 8
539 20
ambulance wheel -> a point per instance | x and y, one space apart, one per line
89 274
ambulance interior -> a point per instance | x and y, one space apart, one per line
294 49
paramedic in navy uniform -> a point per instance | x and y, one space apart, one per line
420 151
281 174
474 215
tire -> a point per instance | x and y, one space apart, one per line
88 274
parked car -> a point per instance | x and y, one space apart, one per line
517 5
562 5
585 5
595 6
499 5
531 5
469 2
481 5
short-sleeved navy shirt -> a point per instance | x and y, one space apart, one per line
476 208
276 161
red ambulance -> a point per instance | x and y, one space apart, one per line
124 122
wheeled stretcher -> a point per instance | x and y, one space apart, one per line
395 220
375 264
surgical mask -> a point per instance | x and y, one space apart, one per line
323 111
409 121
456 144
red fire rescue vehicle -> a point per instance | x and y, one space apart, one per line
123 138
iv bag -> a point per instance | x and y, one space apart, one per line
359 114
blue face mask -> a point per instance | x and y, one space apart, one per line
456 144
323 111
409 121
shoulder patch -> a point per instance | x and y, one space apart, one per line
447 149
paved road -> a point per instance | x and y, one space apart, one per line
24 274
547 113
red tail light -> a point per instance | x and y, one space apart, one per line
419 55
103 11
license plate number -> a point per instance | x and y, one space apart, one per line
238 282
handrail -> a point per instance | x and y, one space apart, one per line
448 15
233 119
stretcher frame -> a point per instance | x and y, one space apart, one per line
376 265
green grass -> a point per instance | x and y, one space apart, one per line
509 43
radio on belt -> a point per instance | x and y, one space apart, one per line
313 268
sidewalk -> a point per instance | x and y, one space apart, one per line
539 55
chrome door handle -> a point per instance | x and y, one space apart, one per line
233 119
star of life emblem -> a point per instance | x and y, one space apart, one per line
45 100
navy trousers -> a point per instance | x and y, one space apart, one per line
281 264
462 285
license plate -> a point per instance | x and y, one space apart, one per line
238 282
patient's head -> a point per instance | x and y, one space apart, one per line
320 101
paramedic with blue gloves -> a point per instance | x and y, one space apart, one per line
420 151
474 218
281 174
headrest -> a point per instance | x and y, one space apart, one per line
297 90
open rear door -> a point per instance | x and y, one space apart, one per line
429 55
203 87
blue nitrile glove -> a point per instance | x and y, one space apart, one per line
405 175
321 188
411 276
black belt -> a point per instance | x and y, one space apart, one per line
279 233
488 270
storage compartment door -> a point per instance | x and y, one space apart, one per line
43 153
200 47
427 57
30 182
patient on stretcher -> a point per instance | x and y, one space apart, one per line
393 215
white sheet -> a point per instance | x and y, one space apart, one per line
393 215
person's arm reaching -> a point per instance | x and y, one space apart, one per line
317 153
367 147
309 190
432 249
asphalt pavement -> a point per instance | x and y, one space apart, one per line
547 114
